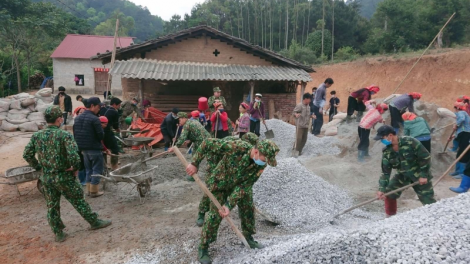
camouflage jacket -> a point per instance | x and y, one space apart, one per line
236 172
412 160
212 100
194 131
128 108
56 150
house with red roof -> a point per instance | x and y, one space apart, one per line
74 68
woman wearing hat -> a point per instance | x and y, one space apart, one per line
243 122
219 120
256 114
418 128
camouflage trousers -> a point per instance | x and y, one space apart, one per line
213 219
425 192
72 191
204 204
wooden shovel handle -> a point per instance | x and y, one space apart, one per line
452 165
211 196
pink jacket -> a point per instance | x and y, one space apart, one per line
244 123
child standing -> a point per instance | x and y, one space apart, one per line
244 121
334 103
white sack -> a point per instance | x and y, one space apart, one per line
36 116
444 112
15 104
331 131
28 127
17 121
8 127
340 116
27 102
44 92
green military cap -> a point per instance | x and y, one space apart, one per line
182 115
216 89
251 138
270 150
53 112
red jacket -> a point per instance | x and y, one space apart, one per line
223 117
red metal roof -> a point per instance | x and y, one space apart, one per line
86 46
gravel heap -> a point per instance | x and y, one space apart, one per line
295 197
284 137
439 233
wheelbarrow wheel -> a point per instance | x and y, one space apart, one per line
40 186
144 187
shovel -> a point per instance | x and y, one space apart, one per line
269 133
295 153
447 144
266 217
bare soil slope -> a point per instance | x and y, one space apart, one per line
441 78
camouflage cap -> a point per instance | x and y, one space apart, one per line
182 115
216 89
251 138
270 150
53 112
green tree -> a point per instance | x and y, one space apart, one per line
107 28
314 43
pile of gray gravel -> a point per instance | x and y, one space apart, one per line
295 197
438 233
285 136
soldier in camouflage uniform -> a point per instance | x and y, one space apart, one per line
58 158
192 131
215 97
412 162
204 204
129 107
231 182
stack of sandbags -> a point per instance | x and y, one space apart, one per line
444 112
24 111
331 128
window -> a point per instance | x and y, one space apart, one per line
79 80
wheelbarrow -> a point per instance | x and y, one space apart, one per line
18 175
141 142
141 179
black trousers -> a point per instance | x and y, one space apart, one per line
363 138
168 140
65 117
395 115
354 105
111 143
427 145
463 138
333 112
222 134
255 126
318 122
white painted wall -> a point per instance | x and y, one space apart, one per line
65 70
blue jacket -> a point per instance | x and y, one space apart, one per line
463 122
87 131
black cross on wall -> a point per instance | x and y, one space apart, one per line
216 52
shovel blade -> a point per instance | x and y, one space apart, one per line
269 134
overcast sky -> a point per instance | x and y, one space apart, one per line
167 8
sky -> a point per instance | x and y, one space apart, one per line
167 8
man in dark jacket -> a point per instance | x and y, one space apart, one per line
111 113
88 134
64 102
169 127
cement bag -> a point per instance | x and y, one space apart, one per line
3 115
4 106
340 116
335 122
16 115
8 127
28 127
36 116
21 111
17 121
15 104
390 98
444 112
21 95
27 102
331 131
44 92
47 100
41 125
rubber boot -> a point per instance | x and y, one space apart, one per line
360 156
252 243
60 237
396 130
459 168
200 219
94 191
166 149
203 256
100 224
366 153
464 185
189 178
348 119
390 206
359 116
88 185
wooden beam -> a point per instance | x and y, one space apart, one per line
252 91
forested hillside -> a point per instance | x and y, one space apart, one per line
367 7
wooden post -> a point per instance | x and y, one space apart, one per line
113 56
302 91
252 91
141 90
298 94
271 108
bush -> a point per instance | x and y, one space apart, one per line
299 53
313 42
346 53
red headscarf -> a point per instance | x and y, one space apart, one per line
415 95
382 108
408 116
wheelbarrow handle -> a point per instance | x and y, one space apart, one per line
101 176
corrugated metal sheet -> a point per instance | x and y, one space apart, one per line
188 71
86 46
